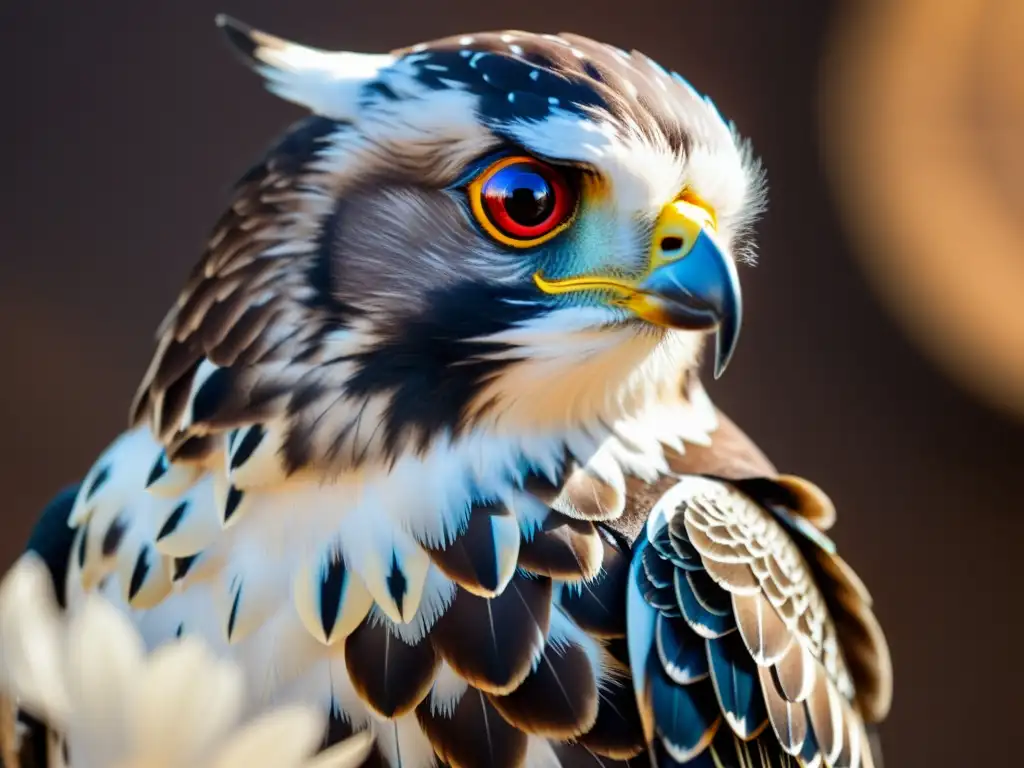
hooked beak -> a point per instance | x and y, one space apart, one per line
692 284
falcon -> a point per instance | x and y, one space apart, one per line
423 442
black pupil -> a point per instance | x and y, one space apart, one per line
525 195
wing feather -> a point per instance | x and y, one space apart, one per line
808 657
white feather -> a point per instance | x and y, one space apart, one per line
438 593
403 743
540 754
447 691
197 527
327 83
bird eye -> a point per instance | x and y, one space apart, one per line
522 202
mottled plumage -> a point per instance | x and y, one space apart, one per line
744 635
423 442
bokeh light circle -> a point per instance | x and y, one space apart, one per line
923 130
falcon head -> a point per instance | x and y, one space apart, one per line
514 230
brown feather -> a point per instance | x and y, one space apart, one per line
731 455
765 635
493 642
848 589
850 757
870 749
481 560
558 699
390 675
216 304
579 756
735 577
220 297
599 606
587 497
618 732
475 736
176 359
542 488
788 719
563 548
864 645
243 333
796 672
192 449
708 547
809 501
824 709
867 656
171 404
222 312
729 751
782 578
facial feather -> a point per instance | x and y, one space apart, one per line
364 368
397 244
349 295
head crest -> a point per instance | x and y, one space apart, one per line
326 82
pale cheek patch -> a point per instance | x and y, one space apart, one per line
545 335
570 368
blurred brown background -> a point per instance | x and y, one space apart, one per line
883 354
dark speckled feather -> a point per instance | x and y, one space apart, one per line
226 317
482 558
475 736
570 71
494 642
599 606
618 732
579 756
388 673
563 548
558 699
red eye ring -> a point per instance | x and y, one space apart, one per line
522 202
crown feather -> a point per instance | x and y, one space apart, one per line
327 83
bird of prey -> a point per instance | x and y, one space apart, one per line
423 441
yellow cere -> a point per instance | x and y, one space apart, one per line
691 197
676 231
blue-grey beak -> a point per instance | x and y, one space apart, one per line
700 291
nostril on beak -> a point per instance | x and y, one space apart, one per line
670 245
